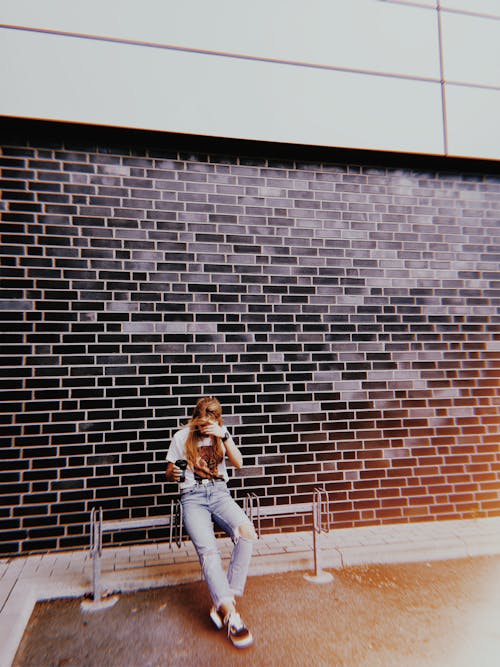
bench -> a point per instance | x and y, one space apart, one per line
98 527
317 509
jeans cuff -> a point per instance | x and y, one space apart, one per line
226 600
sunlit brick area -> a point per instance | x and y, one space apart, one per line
345 314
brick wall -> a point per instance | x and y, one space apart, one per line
346 315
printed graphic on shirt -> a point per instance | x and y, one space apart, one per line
207 465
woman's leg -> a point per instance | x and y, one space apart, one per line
198 524
240 559
230 516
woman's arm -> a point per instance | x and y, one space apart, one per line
232 451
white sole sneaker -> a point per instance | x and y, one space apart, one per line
217 619
241 641
239 635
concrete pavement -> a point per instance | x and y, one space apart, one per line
26 580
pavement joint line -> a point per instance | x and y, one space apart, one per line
8 594
28 579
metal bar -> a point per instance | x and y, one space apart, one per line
175 512
315 542
253 507
91 536
320 525
317 530
96 551
293 509
96 593
324 516
99 531
179 541
130 524
327 510
93 552
172 519
258 514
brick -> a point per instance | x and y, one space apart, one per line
343 356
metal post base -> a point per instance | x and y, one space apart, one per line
320 578
99 605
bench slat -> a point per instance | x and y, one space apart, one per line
295 508
129 524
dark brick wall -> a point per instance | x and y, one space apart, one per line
345 314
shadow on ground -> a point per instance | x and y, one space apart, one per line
439 614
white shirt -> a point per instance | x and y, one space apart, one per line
177 450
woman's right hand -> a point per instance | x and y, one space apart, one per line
173 472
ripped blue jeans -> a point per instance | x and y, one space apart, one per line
201 505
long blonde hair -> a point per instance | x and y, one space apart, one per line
206 409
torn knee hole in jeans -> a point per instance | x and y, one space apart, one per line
246 531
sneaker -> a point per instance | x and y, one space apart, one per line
240 636
217 618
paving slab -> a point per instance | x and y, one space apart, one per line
424 614
25 580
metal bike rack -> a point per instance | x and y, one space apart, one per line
318 509
98 527
321 524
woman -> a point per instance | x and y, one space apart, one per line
205 443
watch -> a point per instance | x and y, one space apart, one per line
225 436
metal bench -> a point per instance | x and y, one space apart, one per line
318 509
98 527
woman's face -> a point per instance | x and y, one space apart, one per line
205 422
206 414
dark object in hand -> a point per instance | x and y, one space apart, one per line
182 464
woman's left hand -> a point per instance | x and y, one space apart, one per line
214 429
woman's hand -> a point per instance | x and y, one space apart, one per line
232 451
212 428
173 472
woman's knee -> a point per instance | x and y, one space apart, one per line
247 532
